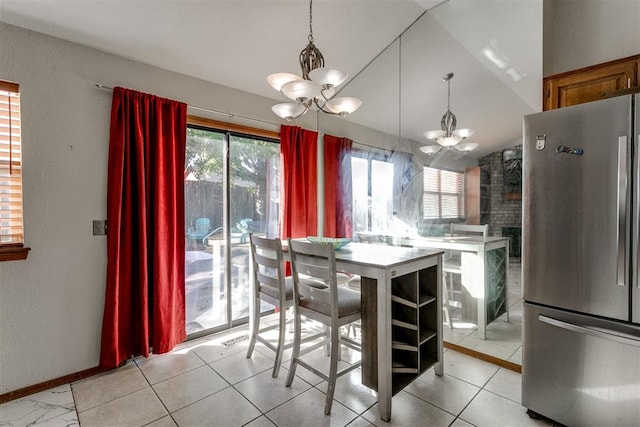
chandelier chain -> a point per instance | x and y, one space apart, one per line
310 37
307 92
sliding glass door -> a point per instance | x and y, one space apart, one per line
231 190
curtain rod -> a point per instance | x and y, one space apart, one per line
104 87
222 113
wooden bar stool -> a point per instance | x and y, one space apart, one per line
332 306
270 284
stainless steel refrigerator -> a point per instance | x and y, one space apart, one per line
581 210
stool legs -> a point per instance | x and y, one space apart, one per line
282 329
254 323
296 349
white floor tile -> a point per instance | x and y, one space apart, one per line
507 384
351 393
467 368
160 367
490 410
163 422
52 407
263 421
360 422
136 409
408 410
225 408
445 392
307 409
237 367
187 388
107 386
266 392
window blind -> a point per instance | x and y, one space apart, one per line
443 194
11 225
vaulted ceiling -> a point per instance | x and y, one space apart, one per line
493 46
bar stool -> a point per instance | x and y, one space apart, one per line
270 284
332 306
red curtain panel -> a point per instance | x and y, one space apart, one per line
337 187
145 303
298 149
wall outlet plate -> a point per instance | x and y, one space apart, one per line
99 227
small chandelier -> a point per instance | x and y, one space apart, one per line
317 86
448 136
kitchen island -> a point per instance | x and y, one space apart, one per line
401 290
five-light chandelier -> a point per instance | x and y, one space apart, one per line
317 86
448 136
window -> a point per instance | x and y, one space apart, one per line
11 226
372 188
443 194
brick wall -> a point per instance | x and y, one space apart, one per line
505 211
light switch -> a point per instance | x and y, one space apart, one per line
99 227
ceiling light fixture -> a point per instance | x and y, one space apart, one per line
448 136
317 86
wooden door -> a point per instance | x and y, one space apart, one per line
472 195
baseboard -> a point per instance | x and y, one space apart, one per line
77 376
36 388
491 359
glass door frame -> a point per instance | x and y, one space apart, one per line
228 131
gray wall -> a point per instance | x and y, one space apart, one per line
581 33
51 304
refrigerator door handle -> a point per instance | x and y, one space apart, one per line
602 333
622 211
636 220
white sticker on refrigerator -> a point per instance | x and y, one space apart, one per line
541 141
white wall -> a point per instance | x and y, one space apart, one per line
51 304
589 32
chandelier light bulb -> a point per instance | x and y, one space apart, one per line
463 133
289 111
466 146
434 134
430 149
301 90
328 76
343 105
277 80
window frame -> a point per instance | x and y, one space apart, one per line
14 251
460 195
229 130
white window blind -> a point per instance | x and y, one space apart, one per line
11 228
443 194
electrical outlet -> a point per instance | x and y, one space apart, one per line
99 227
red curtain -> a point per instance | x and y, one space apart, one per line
298 149
337 187
145 302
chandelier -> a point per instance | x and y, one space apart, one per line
448 136
317 86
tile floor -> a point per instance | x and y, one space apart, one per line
204 383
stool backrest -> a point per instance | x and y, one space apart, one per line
318 262
268 271
467 230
